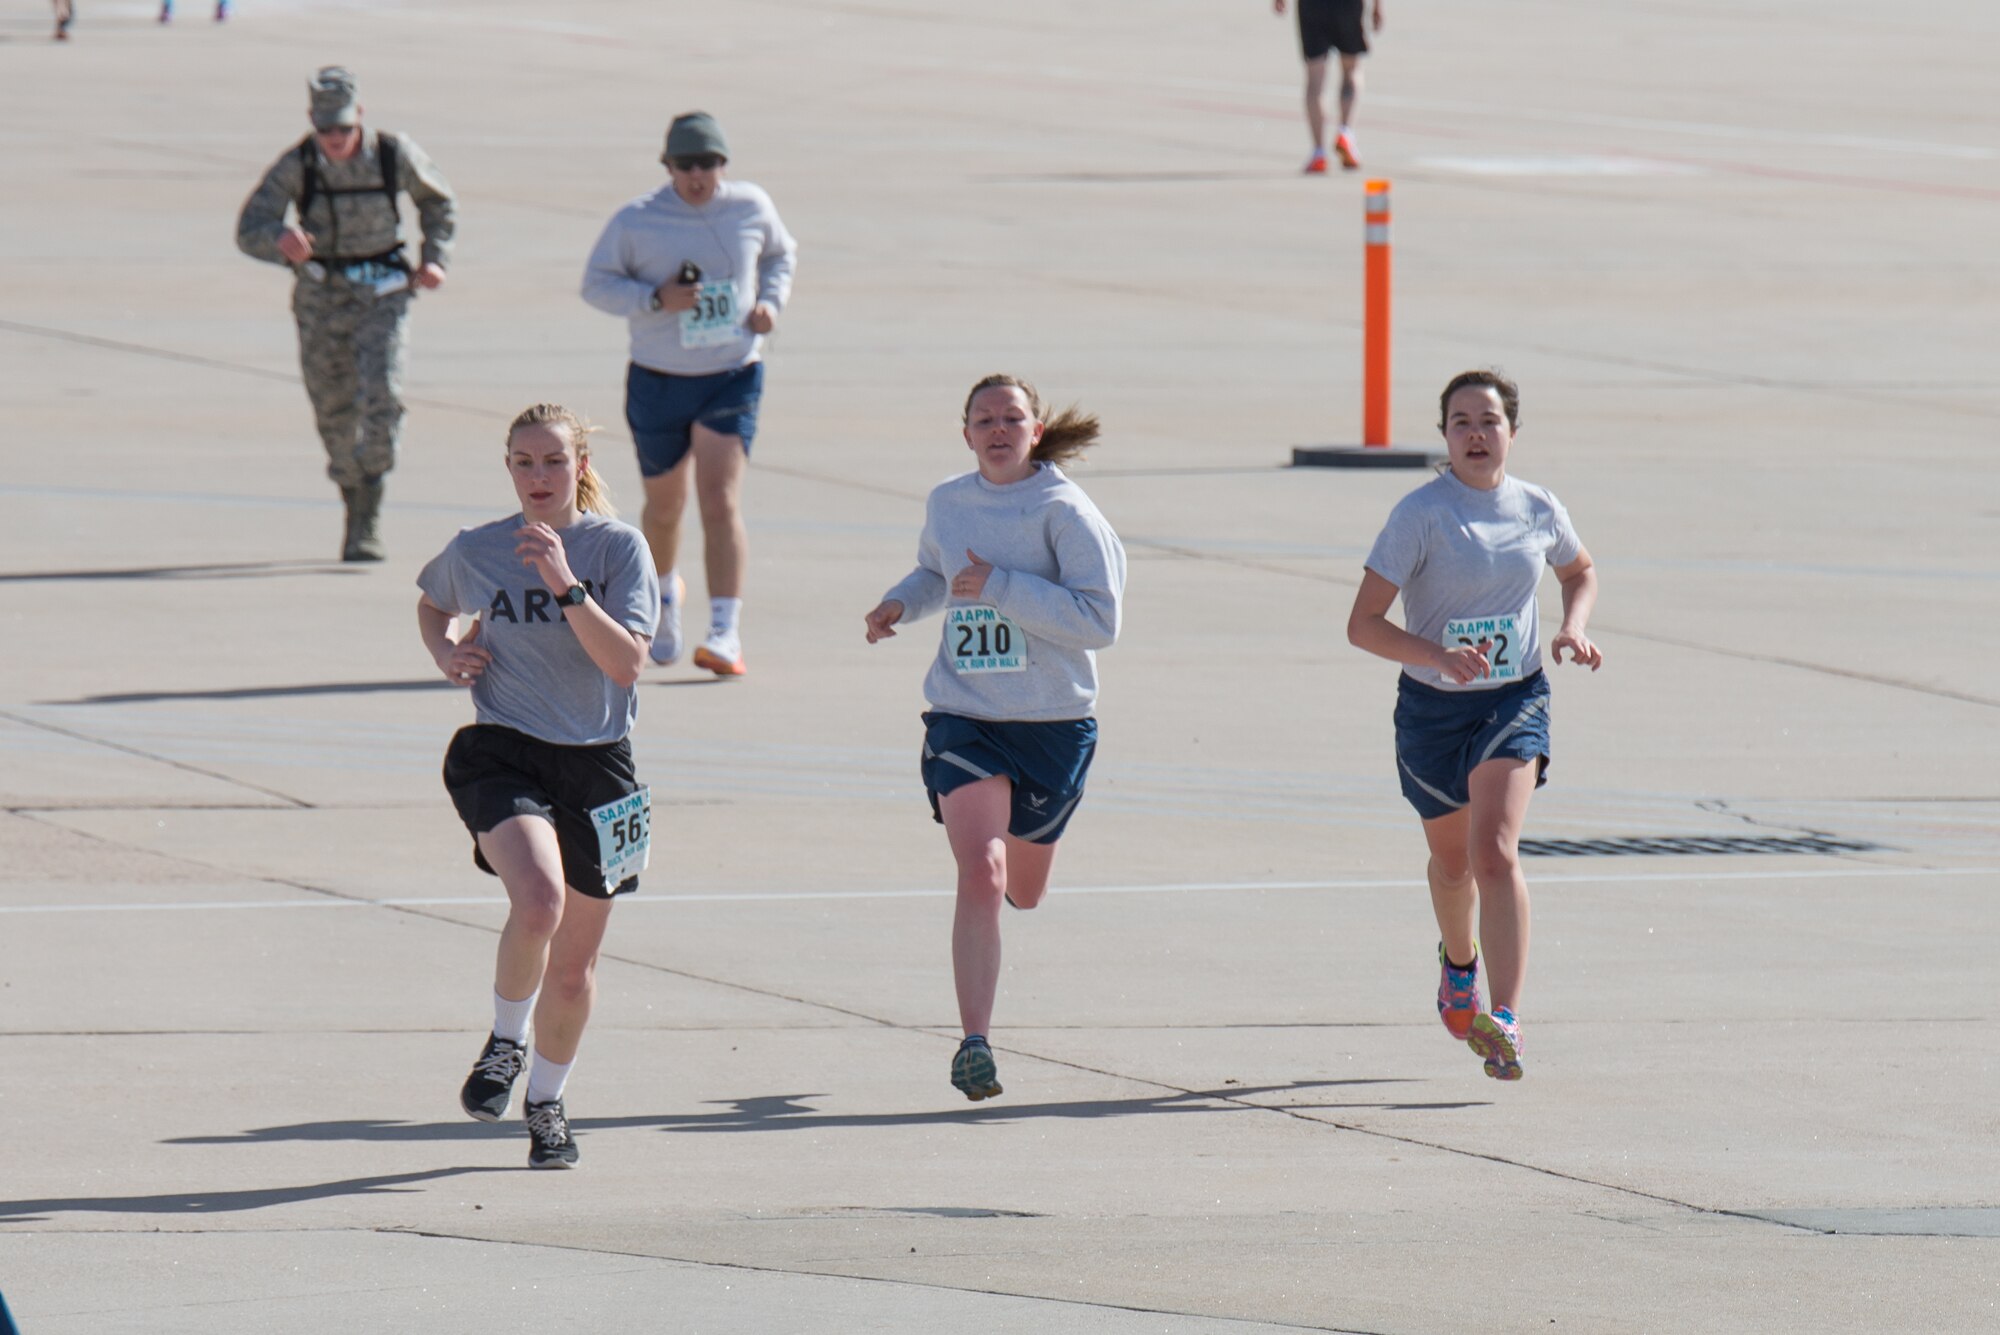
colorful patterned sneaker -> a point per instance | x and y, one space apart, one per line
491 1084
1458 994
973 1073
668 640
1497 1039
550 1144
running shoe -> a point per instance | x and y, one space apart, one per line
973 1073
1497 1039
167 12
550 1144
1316 164
222 11
490 1087
722 657
668 640
1344 145
1458 994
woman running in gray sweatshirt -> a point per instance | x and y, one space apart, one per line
1030 578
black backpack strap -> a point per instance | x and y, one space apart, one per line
311 188
386 144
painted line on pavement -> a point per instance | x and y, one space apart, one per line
1189 887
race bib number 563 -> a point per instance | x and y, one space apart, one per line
1500 636
979 639
624 837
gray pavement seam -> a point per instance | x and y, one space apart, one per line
182 765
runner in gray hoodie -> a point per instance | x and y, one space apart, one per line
1030 578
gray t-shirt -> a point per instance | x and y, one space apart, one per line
541 681
1025 650
1468 562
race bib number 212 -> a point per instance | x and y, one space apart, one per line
1499 635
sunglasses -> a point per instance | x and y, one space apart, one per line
699 162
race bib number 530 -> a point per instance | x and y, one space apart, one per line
979 639
714 318
624 837
1500 636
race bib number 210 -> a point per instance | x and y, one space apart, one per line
979 639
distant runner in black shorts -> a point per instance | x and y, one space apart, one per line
1326 26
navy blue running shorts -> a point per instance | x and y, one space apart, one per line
1332 25
662 409
493 773
1046 762
1442 736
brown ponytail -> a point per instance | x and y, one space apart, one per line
1065 436
591 493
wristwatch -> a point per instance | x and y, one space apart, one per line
574 596
653 300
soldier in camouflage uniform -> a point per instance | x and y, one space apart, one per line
328 208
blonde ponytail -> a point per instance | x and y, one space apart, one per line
591 493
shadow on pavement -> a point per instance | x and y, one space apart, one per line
785 1112
262 692
220 570
226 1202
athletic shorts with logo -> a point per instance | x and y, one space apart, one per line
1045 762
494 773
1442 736
1332 25
662 409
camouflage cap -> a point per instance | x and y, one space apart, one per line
335 99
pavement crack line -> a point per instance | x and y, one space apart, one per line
26 722
789 1271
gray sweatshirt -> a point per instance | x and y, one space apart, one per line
738 243
1024 650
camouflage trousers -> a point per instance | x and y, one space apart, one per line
351 352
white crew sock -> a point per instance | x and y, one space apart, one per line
669 583
546 1078
510 1018
722 615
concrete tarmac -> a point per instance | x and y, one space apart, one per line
1739 258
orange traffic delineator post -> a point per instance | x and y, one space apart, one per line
1375 451
1375 338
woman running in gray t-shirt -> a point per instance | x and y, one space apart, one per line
566 601
1466 552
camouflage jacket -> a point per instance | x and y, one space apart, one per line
348 226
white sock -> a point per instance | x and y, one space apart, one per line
667 585
722 614
546 1078
510 1018
1343 129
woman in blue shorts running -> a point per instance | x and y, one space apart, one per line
1466 552
1030 578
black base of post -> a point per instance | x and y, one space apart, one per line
1365 456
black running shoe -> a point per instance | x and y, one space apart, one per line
550 1145
491 1085
973 1073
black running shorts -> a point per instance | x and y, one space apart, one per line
494 773
1332 25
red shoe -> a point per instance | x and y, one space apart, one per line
1316 164
1344 145
1458 995
724 660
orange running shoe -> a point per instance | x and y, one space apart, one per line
724 660
1344 145
1458 995
1316 164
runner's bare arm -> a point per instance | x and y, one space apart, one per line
1579 595
1369 627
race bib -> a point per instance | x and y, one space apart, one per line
979 639
624 837
714 319
1501 635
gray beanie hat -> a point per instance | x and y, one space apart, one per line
693 134
335 99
